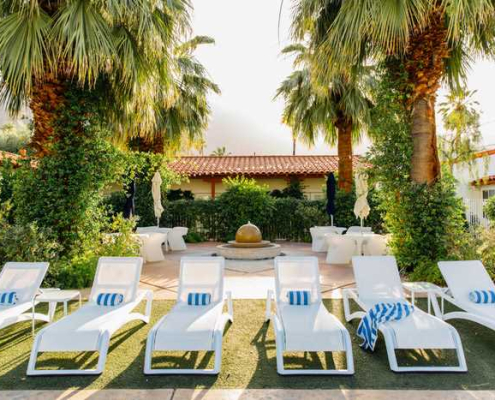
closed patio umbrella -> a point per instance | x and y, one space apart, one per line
331 187
156 184
361 207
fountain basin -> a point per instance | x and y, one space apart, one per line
249 251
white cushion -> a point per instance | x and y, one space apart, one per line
311 328
188 328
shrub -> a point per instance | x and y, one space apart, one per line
243 201
489 208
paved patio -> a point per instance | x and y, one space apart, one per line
245 279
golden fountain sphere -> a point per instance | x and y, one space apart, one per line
248 233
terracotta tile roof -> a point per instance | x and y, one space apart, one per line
204 166
486 180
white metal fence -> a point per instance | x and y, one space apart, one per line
474 212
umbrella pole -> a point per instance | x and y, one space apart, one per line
158 222
361 222
331 218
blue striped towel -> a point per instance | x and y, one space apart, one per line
109 299
8 298
299 297
377 315
482 296
198 299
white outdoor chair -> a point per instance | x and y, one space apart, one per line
175 238
340 249
375 245
155 229
151 249
193 328
304 328
463 277
25 279
359 229
318 240
90 328
378 280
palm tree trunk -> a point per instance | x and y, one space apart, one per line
425 162
344 148
47 98
424 63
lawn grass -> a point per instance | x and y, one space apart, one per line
248 360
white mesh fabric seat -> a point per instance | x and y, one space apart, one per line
91 327
340 249
375 245
176 238
359 229
193 328
462 277
305 328
377 281
25 280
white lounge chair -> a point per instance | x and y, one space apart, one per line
90 328
359 229
378 280
193 328
305 328
318 240
463 277
340 249
176 239
24 279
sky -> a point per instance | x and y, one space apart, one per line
246 63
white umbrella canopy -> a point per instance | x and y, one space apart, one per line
361 207
156 192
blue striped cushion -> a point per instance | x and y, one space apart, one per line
109 299
482 296
198 299
299 297
8 298
377 315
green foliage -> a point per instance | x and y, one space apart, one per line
295 190
179 194
489 208
14 137
426 221
244 200
63 192
78 271
28 243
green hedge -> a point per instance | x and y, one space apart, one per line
290 219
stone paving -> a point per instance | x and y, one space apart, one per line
245 279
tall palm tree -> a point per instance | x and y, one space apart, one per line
433 38
120 47
337 110
461 121
184 117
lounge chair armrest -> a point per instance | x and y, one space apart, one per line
230 305
268 309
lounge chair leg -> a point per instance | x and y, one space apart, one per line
268 308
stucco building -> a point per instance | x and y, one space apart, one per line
205 173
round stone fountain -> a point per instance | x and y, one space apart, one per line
249 245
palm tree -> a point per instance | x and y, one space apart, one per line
120 48
432 38
338 110
220 152
461 121
185 116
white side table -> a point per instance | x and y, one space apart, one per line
52 297
422 287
